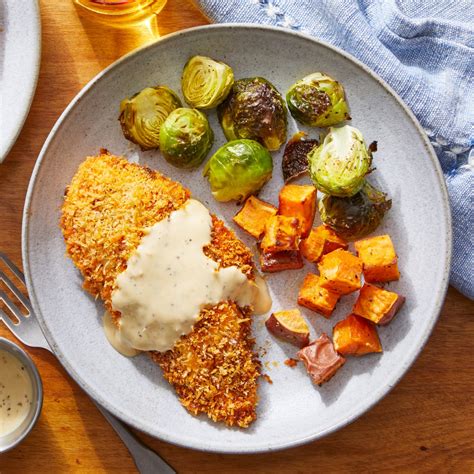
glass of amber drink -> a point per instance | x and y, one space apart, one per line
122 12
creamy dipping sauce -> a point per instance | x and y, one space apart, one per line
169 280
16 393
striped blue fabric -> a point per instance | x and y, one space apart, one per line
425 51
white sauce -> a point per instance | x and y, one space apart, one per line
16 393
113 335
169 280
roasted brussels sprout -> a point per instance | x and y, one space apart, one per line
317 100
186 138
295 156
254 109
142 114
206 83
238 169
356 216
339 165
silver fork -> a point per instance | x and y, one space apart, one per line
28 331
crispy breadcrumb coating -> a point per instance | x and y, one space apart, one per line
107 206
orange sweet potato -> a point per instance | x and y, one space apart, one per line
356 336
314 297
253 216
298 201
290 326
282 233
379 258
377 305
340 272
271 262
320 241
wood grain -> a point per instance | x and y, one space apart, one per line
426 424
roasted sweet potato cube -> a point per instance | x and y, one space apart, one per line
314 297
377 305
321 359
281 233
298 201
356 336
340 272
271 262
290 326
320 241
378 258
253 216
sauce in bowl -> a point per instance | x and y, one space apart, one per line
16 393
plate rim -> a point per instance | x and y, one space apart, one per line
10 141
357 411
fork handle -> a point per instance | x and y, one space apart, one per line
146 460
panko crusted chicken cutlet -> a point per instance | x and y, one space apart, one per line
108 205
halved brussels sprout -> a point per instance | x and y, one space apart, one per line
206 82
356 216
238 169
186 138
254 109
142 114
317 100
339 165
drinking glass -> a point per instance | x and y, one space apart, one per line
122 12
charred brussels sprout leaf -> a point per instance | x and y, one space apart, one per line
254 109
238 169
206 83
317 100
295 157
186 138
142 115
339 165
356 216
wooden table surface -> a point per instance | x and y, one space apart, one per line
426 424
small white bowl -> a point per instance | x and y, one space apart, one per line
17 436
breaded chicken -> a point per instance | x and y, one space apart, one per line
107 206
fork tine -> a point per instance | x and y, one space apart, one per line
11 306
16 291
12 267
8 322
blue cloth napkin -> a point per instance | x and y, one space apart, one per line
425 50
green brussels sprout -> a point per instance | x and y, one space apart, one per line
338 166
254 109
186 138
317 100
238 169
142 115
205 82
356 216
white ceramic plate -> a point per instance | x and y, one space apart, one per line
20 51
292 410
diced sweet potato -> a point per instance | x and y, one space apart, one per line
340 272
377 305
271 262
281 233
314 297
356 336
321 359
253 216
320 241
298 201
379 258
290 326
